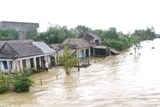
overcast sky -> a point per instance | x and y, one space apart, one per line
125 15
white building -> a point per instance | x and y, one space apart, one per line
16 55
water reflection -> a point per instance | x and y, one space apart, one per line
126 80
70 84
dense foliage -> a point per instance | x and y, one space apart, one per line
19 82
54 34
110 37
32 34
148 34
8 34
68 60
5 82
22 82
114 39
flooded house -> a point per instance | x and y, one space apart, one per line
92 38
87 45
15 55
59 51
97 49
82 46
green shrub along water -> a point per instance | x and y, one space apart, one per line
5 82
19 82
22 82
117 44
3 88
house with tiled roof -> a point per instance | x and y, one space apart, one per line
82 46
57 46
97 48
15 55
92 38
87 45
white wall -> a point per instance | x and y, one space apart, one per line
17 64
49 59
2 69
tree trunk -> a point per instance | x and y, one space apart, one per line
67 72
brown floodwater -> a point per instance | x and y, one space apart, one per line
126 80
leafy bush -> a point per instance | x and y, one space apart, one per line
5 82
28 72
22 82
18 82
118 44
3 88
8 34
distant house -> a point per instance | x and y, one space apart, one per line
88 45
82 46
15 55
57 47
59 51
92 38
21 27
97 49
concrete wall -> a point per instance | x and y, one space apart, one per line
17 65
21 27
9 69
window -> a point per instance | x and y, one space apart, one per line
5 64
32 63
11 64
97 42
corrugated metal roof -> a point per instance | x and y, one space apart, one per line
44 47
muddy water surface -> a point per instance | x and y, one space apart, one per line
119 81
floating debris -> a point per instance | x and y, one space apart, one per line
131 53
153 47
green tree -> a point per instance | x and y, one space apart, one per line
145 34
32 34
82 29
150 33
135 40
112 33
68 60
55 34
8 34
